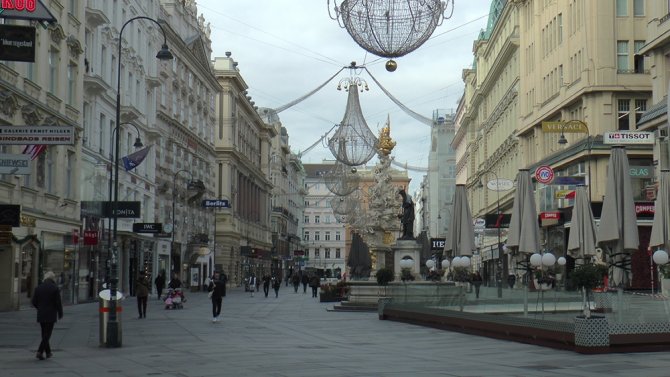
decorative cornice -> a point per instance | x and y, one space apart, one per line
56 32
8 103
74 46
30 114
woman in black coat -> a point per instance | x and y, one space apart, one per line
46 300
218 288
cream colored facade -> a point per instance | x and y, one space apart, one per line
657 50
185 107
489 123
47 92
242 171
555 61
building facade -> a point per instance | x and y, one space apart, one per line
47 92
243 143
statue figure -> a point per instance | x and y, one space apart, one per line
385 143
407 216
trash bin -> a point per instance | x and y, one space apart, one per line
105 296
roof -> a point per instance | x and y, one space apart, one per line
655 111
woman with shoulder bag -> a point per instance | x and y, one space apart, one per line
217 290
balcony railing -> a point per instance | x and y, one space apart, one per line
664 18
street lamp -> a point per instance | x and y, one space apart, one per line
174 199
562 140
498 223
113 340
137 144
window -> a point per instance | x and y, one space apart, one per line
327 253
103 62
306 219
53 70
317 253
560 28
317 219
71 84
622 56
69 175
306 236
638 60
317 236
621 8
327 236
623 114
338 253
638 8
640 109
337 236
49 172
103 124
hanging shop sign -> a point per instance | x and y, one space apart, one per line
18 164
628 137
437 243
17 43
27 135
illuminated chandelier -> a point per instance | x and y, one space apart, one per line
390 28
353 143
342 180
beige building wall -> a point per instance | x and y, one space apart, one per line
243 145
47 92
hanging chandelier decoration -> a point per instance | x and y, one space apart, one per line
353 143
342 180
346 205
390 28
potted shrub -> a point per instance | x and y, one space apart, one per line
587 277
384 277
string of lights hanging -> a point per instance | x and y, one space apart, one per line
390 28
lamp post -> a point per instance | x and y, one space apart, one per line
541 260
562 140
113 340
499 223
174 200
137 144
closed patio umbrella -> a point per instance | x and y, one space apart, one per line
460 234
582 239
660 229
524 230
618 221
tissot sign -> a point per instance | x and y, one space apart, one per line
628 137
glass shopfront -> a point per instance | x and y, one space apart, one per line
61 260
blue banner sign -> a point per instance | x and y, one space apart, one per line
568 181
216 203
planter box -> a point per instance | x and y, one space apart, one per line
591 334
329 298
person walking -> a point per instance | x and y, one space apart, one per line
217 287
160 283
174 282
276 283
142 294
304 281
46 299
314 282
266 285
477 282
295 280
252 284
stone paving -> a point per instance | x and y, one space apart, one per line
293 335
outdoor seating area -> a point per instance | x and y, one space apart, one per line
620 321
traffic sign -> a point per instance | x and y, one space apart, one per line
544 174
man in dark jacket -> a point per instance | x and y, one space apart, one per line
160 283
218 288
46 300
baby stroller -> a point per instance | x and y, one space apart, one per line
175 299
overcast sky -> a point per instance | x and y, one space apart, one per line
287 48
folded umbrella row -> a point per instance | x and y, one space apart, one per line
618 223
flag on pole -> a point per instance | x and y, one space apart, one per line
133 160
34 150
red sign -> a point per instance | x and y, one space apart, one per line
648 209
544 174
20 5
298 253
75 236
90 237
550 215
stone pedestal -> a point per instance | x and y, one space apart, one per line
404 249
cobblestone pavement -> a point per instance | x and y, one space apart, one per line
293 335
